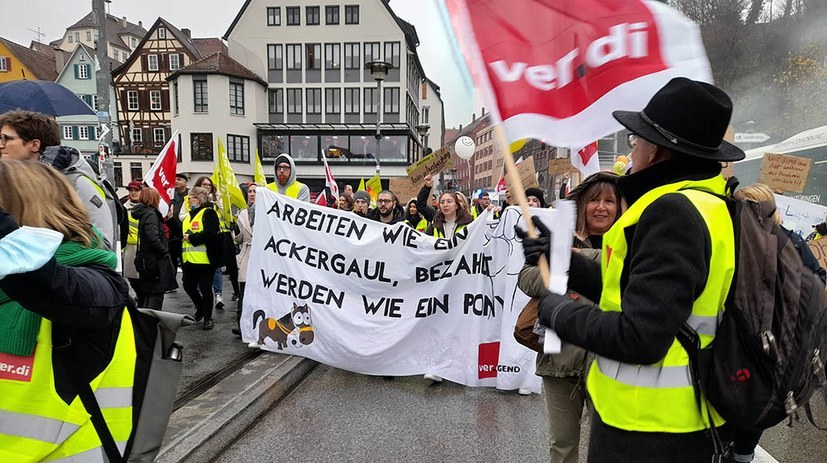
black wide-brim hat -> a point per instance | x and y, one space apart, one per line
686 117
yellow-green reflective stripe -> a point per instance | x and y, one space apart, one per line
95 455
35 427
703 325
114 397
643 375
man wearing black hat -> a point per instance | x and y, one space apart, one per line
669 259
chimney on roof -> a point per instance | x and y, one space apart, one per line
483 110
474 116
140 24
123 22
187 33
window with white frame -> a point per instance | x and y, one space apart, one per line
371 101
372 52
392 53
314 101
237 97
199 88
276 101
274 16
294 56
137 136
426 112
275 58
132 100
332 55
351 14
69 38
155 100
238 148
352 101
162 33
294 101
352 56
83 132
174 61
97 132
333 100
391 100
88 36
158 135
312 14
293 15
4 64
331 13
83 71
68 133
152 62
116 55
314 55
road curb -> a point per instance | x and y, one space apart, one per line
201 429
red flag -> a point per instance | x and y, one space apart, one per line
556 69
586 160
161 175
321 198
329 180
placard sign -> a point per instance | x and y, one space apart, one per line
785 173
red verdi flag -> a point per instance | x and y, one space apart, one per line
556 69
161 175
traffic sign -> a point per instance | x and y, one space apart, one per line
752 137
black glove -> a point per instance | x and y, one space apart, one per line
550 305
533 248
7 223
821 228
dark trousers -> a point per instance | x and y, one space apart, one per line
232 272
197 280
175 253
744 442
135 283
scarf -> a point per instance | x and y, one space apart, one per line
18 326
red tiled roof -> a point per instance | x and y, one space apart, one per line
219 63
41 65
208 46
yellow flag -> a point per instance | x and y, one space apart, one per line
224 178
258 176
374 187
361 185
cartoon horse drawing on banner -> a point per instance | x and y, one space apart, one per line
293 328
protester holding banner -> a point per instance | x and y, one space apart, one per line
387 210
201 228
286 182
449 219
414 218
563 373
152 260
361 203
346 202
669 259
244 238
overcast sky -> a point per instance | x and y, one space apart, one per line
212 18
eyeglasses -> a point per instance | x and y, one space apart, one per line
384 201
5 138
283 168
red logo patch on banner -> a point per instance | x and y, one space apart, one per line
16 368
556 57
489 357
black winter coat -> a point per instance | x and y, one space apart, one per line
152 257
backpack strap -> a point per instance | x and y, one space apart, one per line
66 353
692 344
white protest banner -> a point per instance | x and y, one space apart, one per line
799 216
387 300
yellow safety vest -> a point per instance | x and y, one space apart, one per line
37 425
292 191
422 225
189 253
437 233
132 237
660 397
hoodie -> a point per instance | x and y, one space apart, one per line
102 212
302 193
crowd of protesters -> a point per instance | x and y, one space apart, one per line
616 335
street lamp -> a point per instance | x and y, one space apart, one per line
422 130
379 70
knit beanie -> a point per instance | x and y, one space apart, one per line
537 193
363 195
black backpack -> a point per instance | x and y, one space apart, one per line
769 352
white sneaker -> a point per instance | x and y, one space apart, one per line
434 378
219 302
524 391
253 345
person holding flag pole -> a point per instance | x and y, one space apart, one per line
230 196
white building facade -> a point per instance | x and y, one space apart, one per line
321 98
